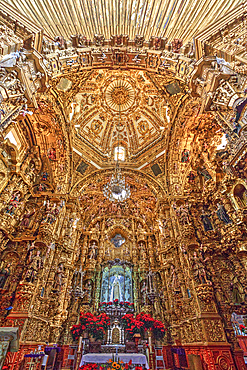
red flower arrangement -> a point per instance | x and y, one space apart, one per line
89 367
142 323
242 328
128 319
147 319
132 325
158 329
96 325
111 365
76 331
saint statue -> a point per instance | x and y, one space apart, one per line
237 291
35 264
185 156
174 283
58 281
26 219
4 274
13 203
206 221
222 214
204 172
116 292
198 267
93 251
144 293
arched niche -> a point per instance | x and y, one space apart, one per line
118 243
114 233
240 195
8 263
41 246
117 282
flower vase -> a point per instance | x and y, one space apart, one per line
136 337
85 335
91 339
158 343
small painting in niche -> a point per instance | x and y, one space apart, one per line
118 240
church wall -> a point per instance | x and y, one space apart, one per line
183 229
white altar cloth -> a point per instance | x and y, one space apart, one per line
102 358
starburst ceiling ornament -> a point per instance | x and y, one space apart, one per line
117 190
120 95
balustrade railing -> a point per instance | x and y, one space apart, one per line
117 309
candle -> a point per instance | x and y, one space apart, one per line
79 345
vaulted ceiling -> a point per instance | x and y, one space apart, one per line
142 121
171 19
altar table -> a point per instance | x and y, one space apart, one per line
102 358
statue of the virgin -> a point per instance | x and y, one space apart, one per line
116 292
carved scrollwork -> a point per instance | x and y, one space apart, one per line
214 330
205 292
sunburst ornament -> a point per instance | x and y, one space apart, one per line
119 94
